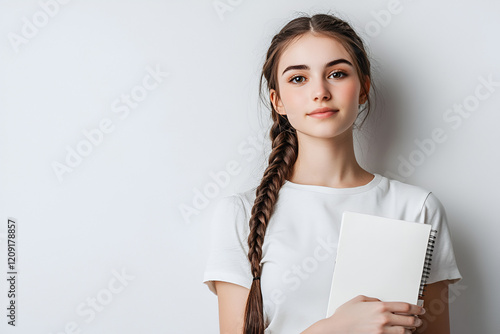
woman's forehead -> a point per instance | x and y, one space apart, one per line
312 50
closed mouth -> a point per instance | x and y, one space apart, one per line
322 111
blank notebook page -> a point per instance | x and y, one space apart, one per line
378 257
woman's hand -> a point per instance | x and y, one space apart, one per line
365 315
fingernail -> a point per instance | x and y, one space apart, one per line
418 322
422 311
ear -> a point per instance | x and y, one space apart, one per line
276 101
363 97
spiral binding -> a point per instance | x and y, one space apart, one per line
427 263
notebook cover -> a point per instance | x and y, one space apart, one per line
378 257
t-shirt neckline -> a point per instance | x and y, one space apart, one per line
329 190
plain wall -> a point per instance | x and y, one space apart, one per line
115 240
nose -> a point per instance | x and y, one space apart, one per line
321 91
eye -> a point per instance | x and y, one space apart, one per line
338 74
297 77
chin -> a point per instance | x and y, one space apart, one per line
328 133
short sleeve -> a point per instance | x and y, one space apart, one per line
228 250
443 264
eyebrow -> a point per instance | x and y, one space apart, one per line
305 67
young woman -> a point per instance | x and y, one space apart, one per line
273 248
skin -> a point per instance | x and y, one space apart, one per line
232 300
437 319
326 154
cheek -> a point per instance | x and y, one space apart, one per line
351 93
291 99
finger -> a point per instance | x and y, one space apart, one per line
364 298
404 320
396 330
403 308
412 329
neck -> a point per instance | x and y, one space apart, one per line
328 162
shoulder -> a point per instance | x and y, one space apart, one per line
247 198
236 200
229 206
404 191
233 210
422 200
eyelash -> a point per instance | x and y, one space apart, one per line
301 76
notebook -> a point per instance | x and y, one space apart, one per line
379 257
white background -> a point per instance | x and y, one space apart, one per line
119 209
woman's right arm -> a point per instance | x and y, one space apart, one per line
365 315
232 302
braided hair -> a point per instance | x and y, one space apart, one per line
284 141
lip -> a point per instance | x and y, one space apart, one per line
322 112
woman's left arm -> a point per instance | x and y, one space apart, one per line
436 319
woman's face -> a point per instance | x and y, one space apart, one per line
317 72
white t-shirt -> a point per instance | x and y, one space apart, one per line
301 240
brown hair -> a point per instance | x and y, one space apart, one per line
284 141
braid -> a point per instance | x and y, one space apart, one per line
281 160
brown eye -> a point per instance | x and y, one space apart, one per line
338 74
297 77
